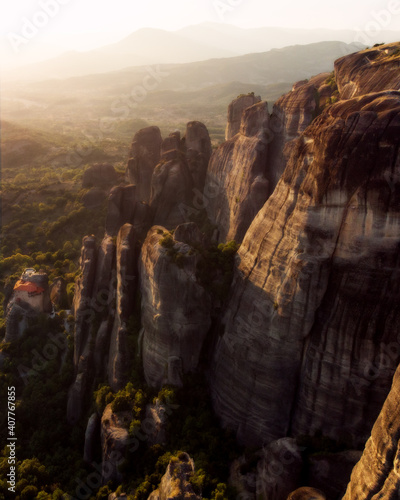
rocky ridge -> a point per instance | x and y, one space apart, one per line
307 340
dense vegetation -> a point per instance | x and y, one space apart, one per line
44 220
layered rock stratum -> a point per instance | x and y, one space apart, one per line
175 324
377 473
311 289
237 182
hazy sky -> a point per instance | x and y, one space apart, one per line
95 22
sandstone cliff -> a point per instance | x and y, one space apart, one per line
371 70
313 299
124 207
291 115
175 308
235 111
119 357
144 156
171 189
114 442
377 473
237 182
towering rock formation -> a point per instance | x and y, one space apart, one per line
171 190
175 308
127 282
144 156
84 315
377 473
235 111
313 305
237 183
371 70
179 177
114 442
198 152
291 115
101 175
124 207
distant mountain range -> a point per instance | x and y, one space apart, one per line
191 44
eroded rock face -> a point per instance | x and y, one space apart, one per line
93 304
17 320
156 423
144 156
237 182
305 321
172 142
123 208
83 294
58 293
175 309
371 70
114 442
91 436
171 190
291 115
235 111
175 483
127 282
101 175
377 473
198 152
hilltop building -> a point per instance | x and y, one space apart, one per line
33 289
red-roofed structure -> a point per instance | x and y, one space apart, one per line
28 286
32 289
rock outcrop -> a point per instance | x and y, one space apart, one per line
175 483
84 315
58 293
291 115
313 305
175 308
171 190
370 70
91 437
17 318
173 141
235 111
124 207
306 493
127 282
156 423
144 156
237 182
377 473
100 175
179 177
198 152
114 442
